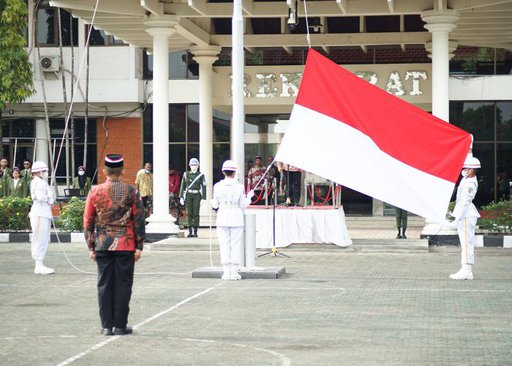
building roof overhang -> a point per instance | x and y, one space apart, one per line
481 23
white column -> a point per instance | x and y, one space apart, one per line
42 152
205 57
161 28
237 67
440 23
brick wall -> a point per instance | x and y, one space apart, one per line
125 138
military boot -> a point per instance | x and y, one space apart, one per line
190 232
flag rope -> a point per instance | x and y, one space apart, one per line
308 36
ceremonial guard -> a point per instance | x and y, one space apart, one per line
255 181
466 216
40 216
17 186
230 200
192 191
114 227
401 222
82 181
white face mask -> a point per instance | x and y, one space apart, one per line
81 172
464 173
146 171
194 168
44 176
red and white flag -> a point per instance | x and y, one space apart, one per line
344 129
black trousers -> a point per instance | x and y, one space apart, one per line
294 187
115 281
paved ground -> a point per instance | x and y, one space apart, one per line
333 308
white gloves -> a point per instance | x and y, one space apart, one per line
182 201
51 199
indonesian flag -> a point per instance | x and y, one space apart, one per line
344 129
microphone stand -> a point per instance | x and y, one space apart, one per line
274 251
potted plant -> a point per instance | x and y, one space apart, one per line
496 222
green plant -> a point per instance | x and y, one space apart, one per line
71 215
497 218
14 211
451 206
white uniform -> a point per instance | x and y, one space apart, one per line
230 199
40 216
466 215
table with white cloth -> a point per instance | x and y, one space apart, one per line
300 225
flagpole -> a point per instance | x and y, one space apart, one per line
237 66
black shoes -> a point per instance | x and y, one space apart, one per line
123 331
107 331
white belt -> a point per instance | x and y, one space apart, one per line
193 191
229 205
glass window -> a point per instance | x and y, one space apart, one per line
80 129
221 153
100 38
22 127
177 115
178 65
192 152
221 126
177 157
147 152
504 121
475 117
504 171
91 164
147 123
47 27
193 123
485 153
181 66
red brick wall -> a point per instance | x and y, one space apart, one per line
125 138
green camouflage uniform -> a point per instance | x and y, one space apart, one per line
193 192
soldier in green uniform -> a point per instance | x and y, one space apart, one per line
6 174
17 186
192 191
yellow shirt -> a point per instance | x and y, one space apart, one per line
144 183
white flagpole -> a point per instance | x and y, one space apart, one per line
237 66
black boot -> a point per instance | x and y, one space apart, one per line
190 232
403 233
195 231
399 235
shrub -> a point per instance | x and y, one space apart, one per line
497 218
14 213
71 215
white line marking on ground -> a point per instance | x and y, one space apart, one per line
136 326
285 361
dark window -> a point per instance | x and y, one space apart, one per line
221 126
504 121
266 25
181 66
222 25
343 24
475 117
177 125
383 23
47 26
99 38
414 23
193 123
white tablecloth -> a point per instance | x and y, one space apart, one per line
300 226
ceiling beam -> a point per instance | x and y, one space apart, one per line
193 32
289 50
247 6
391 6
331 39
476 4
198 5
153 6
268 9
126 7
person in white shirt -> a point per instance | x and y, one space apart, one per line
230 200
466 216
40 215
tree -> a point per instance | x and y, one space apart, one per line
16 77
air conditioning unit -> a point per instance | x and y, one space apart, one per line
50 63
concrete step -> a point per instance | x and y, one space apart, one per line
381 222
359 245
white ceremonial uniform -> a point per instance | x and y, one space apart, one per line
40 216
230 199
466 216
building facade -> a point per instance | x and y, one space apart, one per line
155 80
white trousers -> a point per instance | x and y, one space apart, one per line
230 240
40 237
466 231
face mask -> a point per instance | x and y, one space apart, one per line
146 171
194 168
81 172
464 173
45 176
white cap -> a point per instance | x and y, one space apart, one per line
471 163
39 166
229 165
193 161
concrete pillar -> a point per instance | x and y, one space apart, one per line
161 28
42 152
205 57
440 23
